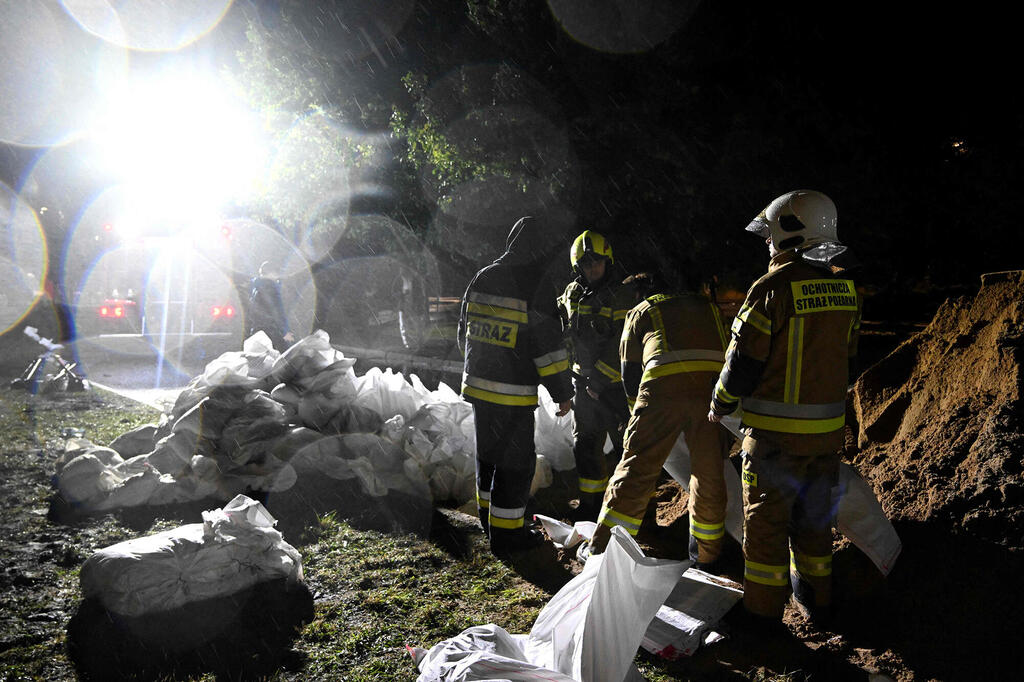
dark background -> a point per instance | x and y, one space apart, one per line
902 116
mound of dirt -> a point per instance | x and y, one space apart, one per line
940 428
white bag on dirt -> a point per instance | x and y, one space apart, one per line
678 467
86 479
588 632
591 629
233 549
861 518
859 515
564 536
687 618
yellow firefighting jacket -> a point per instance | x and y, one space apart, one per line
594 321
788 360
509 331
670 334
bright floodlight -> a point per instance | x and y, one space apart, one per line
185 139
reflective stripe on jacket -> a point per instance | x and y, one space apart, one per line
665 335
594 321
511 340
797 330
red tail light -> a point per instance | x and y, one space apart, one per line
104 311
118 311
216 311
229 311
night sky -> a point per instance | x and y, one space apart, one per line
902 116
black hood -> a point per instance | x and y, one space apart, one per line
525 242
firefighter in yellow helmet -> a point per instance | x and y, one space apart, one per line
593 308
787 367
672 349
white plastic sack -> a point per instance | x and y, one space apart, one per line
861 518
593 626
589 631
387 393
138 441
859 515
564 536
378 464
687 618
234 548
86 479
678 467
307 357
229 369
553 435
483 653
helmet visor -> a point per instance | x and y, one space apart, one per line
759 226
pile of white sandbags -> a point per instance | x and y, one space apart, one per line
257 419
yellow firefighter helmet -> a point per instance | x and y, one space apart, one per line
590 243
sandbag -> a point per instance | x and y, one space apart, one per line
859 515
138 441
482 653
589 631
553 435
376 463
234 548
678 467
861 518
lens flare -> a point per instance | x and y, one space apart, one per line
23 259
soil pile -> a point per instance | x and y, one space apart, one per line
940 428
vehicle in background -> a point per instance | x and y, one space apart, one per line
119 316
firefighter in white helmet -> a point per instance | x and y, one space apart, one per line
593 308
787 367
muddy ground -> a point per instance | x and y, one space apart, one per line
935 427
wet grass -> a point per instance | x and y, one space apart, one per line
375 593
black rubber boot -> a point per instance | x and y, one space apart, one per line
806 603
507 543
706 566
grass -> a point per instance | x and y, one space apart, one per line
375 594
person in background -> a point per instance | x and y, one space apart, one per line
266 308
672 349
593 308
509 335
787 367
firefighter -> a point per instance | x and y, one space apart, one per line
672 349
509 334
787 367
593 308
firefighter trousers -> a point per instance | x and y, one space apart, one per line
505 464
787 526
666 407
594 422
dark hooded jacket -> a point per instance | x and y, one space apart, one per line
509 330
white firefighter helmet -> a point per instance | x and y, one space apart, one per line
795 219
